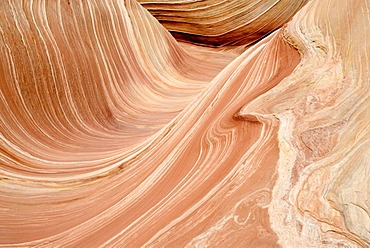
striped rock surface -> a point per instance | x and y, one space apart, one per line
114 134
222 22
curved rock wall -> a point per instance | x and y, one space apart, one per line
115 134
222 22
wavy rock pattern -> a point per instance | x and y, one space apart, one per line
222 22
114 134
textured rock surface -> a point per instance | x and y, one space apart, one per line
222 22
114 134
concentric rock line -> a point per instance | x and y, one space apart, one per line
115 134
222 23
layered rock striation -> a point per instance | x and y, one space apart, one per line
115 134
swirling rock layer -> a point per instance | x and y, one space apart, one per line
114 134
222 23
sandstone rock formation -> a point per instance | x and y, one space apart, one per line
115 134
222 22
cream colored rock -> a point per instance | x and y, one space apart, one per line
321 198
